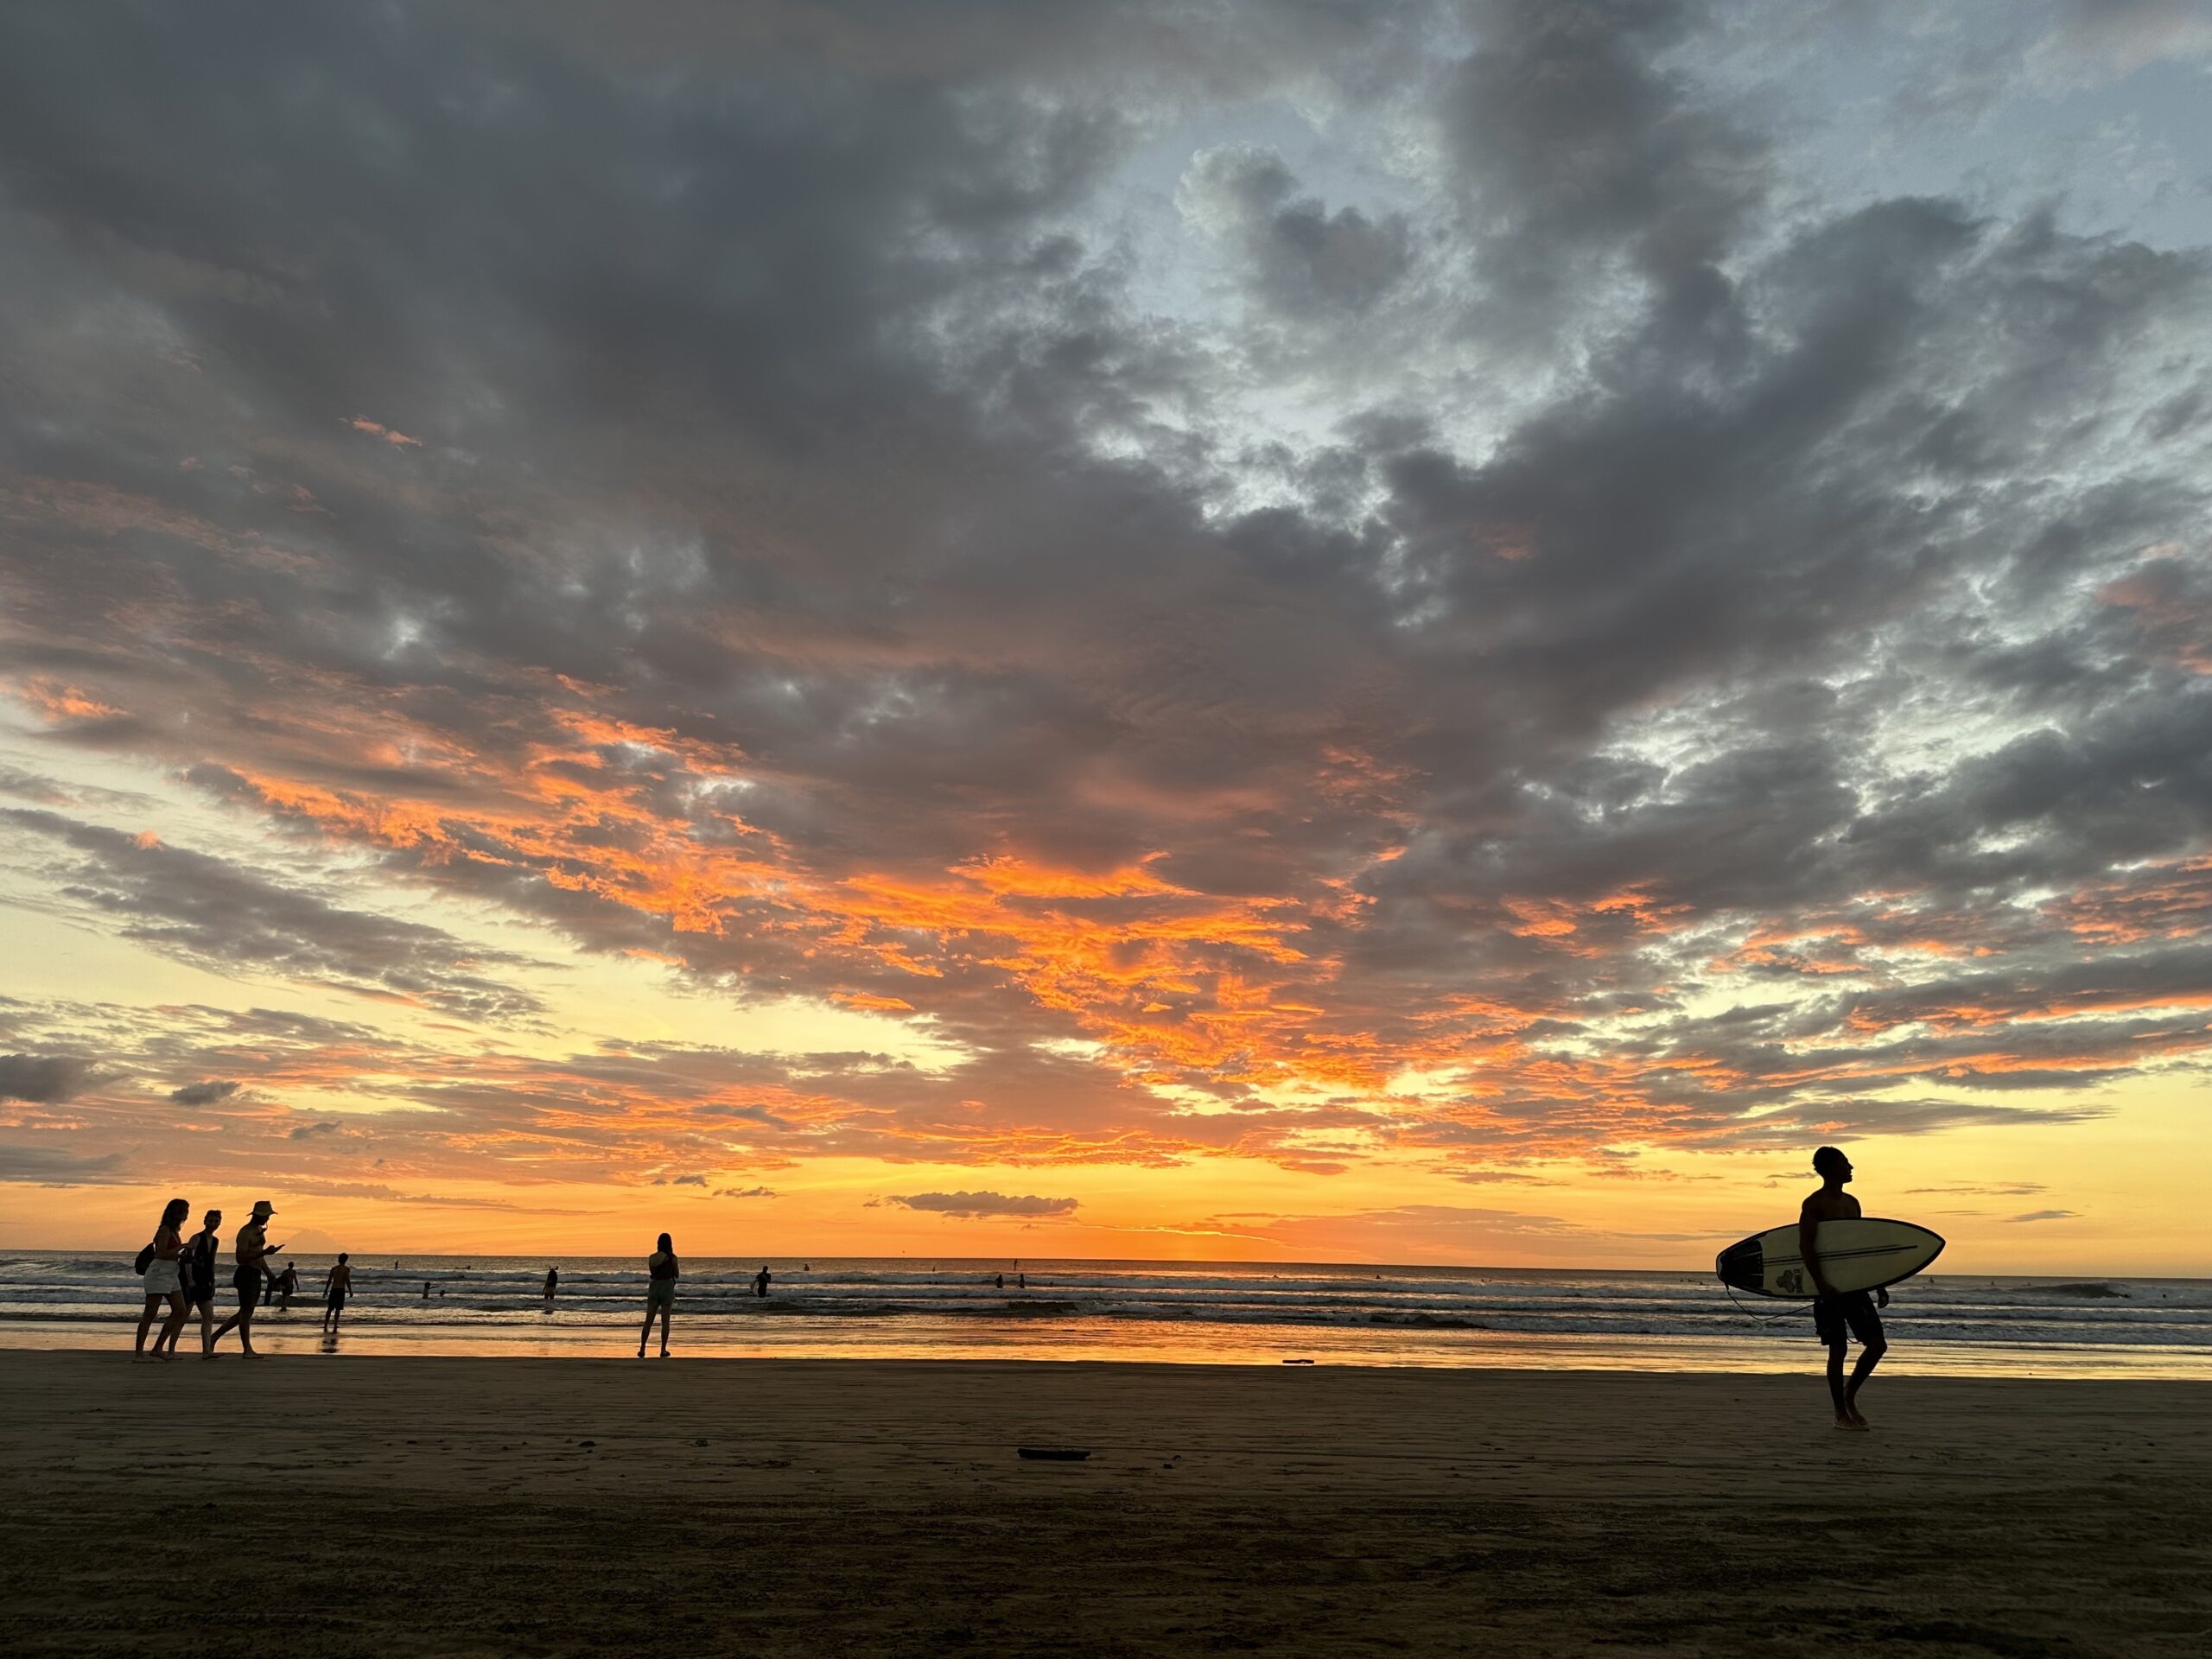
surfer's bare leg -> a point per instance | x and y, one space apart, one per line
1869 1355
1845 1416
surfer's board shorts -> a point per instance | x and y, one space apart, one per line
1853 1310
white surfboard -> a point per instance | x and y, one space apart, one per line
1862 1254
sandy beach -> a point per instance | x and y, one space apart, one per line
398 1506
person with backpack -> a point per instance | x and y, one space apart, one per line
198 1266
164 1279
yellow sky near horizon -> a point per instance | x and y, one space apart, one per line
1673 1215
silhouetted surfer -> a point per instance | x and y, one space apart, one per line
1840 1315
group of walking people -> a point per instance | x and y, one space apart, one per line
182 1272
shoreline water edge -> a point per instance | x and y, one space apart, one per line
1191 1313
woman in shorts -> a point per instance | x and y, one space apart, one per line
164 1279
661 1273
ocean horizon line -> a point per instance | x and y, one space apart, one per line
368 1257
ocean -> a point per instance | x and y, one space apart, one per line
1177 1311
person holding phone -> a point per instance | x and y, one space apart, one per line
251 1252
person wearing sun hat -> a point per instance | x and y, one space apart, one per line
253 1250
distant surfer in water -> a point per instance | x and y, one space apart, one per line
1840 1315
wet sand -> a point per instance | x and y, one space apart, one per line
404 1506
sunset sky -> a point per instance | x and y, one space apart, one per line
1414 633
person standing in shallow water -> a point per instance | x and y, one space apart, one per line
761 1282
661 1272
164 1279
552 1284
252 1249
336 1289
1840 1315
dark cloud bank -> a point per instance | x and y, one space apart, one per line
730 496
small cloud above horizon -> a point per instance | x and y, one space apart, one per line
204 1094
1976 1190
975 1206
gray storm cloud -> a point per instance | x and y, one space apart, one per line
41 1078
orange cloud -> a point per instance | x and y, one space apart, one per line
398 440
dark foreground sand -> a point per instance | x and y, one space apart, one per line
400 1506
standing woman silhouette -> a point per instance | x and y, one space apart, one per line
660 1294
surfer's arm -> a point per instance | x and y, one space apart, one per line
1807 1221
